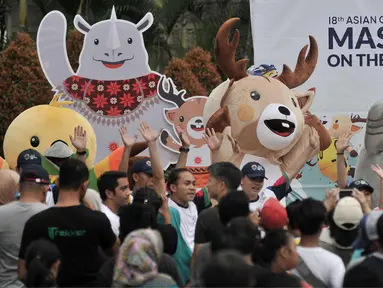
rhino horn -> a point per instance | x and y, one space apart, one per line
113 39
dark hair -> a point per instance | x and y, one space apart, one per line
73 173
241 235
278 280
174 175
148 195
293 213
109 181
39 258
228 173
266 252
227 269
362 276
136 216
312 215
342 237
233 204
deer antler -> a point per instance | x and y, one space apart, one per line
225 52
173 95
304 68
357 119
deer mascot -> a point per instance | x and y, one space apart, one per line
263 114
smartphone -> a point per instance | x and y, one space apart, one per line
345 193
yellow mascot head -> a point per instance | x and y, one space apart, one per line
46 128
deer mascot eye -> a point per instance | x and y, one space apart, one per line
35 141
182 119
96 41
295 103
130 40
255 95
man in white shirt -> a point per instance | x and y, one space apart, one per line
317 266
253 176
114 191
181 185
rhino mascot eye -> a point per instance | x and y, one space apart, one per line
96 41
255 95
130 40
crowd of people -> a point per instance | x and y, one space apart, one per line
142 229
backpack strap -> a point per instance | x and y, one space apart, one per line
305 272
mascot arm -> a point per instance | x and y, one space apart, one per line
305 149
324 135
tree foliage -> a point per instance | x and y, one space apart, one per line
180 71
23 83
195 72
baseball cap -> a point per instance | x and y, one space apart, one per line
254 170
29 156
142 166
347 213
35 174
361 184
273 215
368 230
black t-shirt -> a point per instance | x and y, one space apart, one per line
366 274
169 237
207 223
78 232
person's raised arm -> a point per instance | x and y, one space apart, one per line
342 144
214 143
128 145
79 141
379 172
151 137
184 149
237 156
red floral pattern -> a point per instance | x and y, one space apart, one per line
112 98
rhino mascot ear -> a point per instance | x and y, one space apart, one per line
145 23
81 25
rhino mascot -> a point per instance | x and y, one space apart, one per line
113 85
371 152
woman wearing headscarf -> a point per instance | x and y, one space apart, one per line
9 181
137 262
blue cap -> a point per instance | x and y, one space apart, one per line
29 156
34 173
142 166
368 230
254 170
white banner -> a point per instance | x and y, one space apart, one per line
348 74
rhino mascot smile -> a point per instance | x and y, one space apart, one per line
113 85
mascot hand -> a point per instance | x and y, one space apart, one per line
314 139
271 157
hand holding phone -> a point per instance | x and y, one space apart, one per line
345 193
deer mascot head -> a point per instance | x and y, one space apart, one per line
265 115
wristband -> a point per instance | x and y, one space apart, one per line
82 153
186 150
337 153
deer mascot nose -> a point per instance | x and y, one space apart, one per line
284 110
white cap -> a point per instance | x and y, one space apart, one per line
348 213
